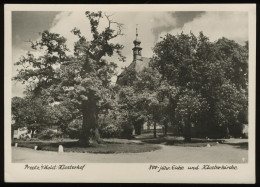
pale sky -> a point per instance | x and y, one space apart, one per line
151 26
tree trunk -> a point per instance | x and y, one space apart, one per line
32 133
227 132
165 130
138 128
89 133
187 131
154 129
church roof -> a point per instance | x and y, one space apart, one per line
138 65
141 64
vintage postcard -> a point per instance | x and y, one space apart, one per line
130 93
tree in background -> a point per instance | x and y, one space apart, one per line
29 112
39 74
146 99
190 110
60 115
211 79
150 88
131 106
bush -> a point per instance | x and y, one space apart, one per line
47 134
74 128
114 125
236 130
25 136
110 131
73 133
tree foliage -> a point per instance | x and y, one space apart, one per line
29 112
191 82
82 79
211 79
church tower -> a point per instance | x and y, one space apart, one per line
137 49
138 64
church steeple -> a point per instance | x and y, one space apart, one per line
137 49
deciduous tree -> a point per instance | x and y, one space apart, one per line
211 77
83 78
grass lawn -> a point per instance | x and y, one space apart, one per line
104 148
141 143
177 140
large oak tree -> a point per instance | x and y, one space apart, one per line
83 78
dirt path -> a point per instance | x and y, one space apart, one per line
221 153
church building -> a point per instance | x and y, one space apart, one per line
125 78
137 65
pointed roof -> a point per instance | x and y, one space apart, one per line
137 65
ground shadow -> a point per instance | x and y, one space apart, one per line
103 148
241 145
177 141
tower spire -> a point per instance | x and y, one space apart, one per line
137 49
136 31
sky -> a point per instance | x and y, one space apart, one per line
26 26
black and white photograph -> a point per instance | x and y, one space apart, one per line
159 91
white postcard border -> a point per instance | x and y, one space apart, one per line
127 173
